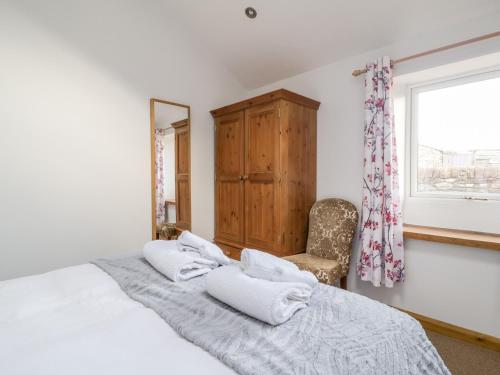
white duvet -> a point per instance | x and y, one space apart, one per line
77 320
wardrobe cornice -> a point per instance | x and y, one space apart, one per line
265 98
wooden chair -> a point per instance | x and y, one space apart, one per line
332 225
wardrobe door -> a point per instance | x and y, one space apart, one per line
229 171
182 176
261 175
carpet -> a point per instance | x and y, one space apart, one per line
463 358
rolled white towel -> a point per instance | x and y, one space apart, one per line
265 266
190 242
166 258
257 258
270 302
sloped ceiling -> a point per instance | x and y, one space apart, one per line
289 37
166 114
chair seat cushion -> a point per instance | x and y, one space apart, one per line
327 271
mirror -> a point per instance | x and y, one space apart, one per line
170 168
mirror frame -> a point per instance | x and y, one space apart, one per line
152 102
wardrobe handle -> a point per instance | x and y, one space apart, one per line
245 177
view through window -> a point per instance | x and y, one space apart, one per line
456 138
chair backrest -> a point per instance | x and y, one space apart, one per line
332 225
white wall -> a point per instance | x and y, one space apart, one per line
455 284
75 79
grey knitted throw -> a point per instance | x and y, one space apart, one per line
339 333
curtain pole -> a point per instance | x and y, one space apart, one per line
358 72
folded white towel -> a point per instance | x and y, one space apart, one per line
166 258
257 258
265 266
271 302
206 249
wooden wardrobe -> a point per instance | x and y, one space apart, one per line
182 175
265 173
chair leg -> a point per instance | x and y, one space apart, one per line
343 282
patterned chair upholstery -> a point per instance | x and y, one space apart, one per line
167 231
332 225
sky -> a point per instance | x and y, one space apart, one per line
461 118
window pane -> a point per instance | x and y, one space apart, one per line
459 139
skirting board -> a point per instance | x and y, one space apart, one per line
450 330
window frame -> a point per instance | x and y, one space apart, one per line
411 130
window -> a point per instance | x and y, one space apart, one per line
455 138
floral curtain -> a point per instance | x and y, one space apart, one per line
381 259
160 174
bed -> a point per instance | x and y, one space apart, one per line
87 319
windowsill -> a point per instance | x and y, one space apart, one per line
452 236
